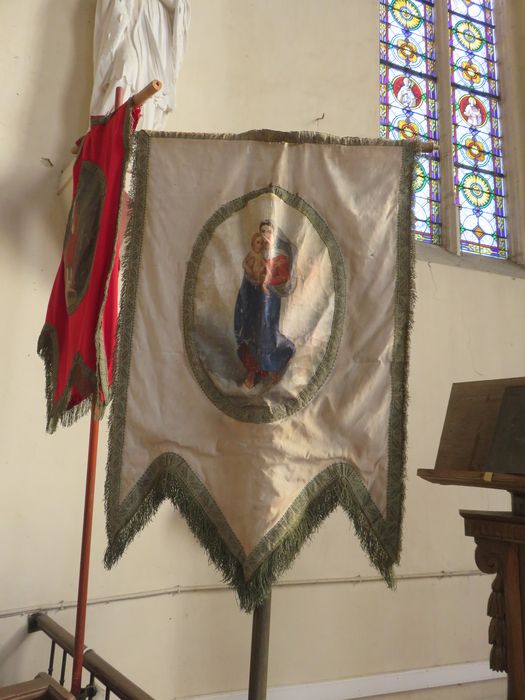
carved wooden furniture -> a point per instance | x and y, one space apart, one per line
469 433
483 444
500 550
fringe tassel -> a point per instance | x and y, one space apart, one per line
57 412
337 489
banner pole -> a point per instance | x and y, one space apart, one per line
83 577
260 650
87 527
80 625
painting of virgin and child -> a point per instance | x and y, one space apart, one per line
269 276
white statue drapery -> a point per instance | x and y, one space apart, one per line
136 41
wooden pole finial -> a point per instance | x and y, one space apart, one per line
146 93
429 146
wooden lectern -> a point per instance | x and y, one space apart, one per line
483 444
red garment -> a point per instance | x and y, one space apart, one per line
278 271
250 362
78 339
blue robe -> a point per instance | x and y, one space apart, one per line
260 345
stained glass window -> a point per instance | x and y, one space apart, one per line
408 102
479 176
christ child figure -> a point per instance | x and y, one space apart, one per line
254 263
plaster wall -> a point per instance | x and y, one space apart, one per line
291 65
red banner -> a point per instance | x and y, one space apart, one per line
78 339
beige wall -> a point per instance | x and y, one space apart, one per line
250 63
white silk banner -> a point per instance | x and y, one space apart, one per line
262 364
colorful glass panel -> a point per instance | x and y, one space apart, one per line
476 132
408 99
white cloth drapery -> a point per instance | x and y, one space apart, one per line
136 41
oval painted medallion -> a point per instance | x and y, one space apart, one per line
264 299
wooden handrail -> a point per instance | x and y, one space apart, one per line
117 683
43 687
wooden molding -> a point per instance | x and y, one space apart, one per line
43 687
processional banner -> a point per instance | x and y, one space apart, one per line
78 339
263 346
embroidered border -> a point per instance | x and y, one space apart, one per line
58 411
89 198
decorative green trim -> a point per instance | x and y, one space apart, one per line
98 119
48 349
58 411
169 476
90 197
405 297
237 406
292 137
104 390
137 512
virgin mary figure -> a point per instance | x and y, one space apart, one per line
269 276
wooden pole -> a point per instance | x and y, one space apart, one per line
119 97
80 626
260 650
429 147
83 577
146 93
87 527
138 100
